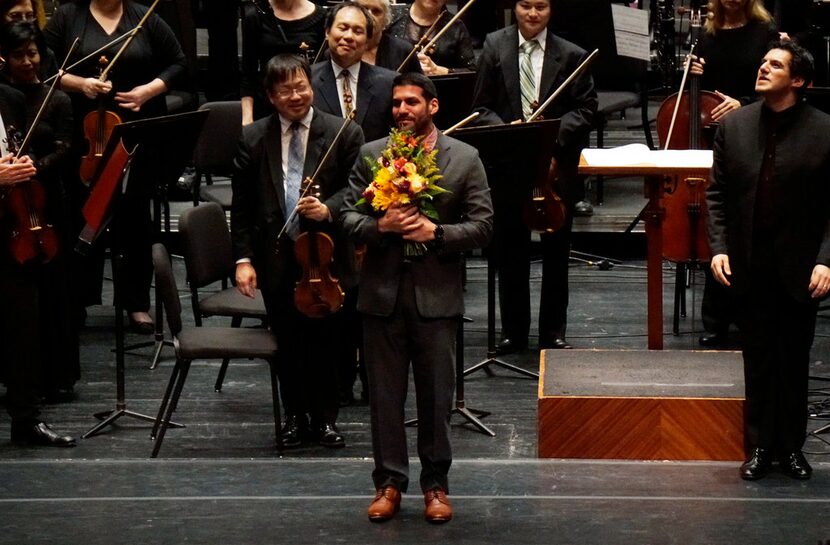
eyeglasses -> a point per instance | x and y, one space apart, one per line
288 92
17 16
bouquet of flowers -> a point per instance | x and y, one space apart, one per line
405 173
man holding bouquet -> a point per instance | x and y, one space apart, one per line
417 200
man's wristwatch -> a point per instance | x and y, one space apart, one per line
438 241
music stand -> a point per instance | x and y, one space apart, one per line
514 156
169 141
163 137
456 92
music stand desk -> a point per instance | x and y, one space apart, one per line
655 183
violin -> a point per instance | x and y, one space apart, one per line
98 127
681 121
32 238
318 293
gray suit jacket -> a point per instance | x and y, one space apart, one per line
374 96
259 194
466 213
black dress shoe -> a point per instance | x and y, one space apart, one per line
142 327
713 339
796 466
39 434
757 465
329 437
293 430
510 346
555 344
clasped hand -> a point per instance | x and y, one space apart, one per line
312 208
14 170
408 222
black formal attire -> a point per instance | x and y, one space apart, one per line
307 362
454 50
34 301
774 237
732 58
374 96
411 309
391 53
154 53
498 99
222 20
264 35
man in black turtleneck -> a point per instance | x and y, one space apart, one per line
773 250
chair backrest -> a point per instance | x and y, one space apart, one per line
166 288
206 241
217 143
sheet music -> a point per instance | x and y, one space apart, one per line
641 155
631 32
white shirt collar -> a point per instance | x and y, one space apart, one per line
541 38
354 70
305 121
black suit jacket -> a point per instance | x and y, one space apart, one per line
259 194
497 95
374 96
13 112
466 213
802 170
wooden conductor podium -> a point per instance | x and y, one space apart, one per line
657 168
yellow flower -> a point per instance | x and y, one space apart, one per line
416 183
410 168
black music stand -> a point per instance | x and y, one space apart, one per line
160 138
456 92
169 142
514 156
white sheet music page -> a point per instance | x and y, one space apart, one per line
641 155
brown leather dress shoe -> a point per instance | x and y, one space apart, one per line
437 506
387 502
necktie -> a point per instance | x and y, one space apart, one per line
348 100
527 82
293 178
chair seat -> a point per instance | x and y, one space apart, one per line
225 342
220 193
229 302
614 101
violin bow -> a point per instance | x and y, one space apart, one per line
21 150
348 119
420 45
449 24
562 87
95 53
130 37
461 123
679 95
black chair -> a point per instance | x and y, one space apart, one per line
215 151
208 257
193 343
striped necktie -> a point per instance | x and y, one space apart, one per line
527 82
293 178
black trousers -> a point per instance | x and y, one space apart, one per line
776 335
392 342
512 246
717 310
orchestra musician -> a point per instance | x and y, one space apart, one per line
271 27
135 89
346 83
383 49
15 11
412 306
453 51
771 247
275 154
25 292
23 44
735 39
500 96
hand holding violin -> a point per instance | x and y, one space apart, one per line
15 170
312 208
93 87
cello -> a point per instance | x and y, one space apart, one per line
680 123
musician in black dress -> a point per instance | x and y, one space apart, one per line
22 45
453 51
271 27
135 89
16 11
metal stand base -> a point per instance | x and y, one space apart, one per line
109 417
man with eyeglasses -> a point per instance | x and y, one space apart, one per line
275 155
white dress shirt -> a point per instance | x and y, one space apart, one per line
354 72
537 59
